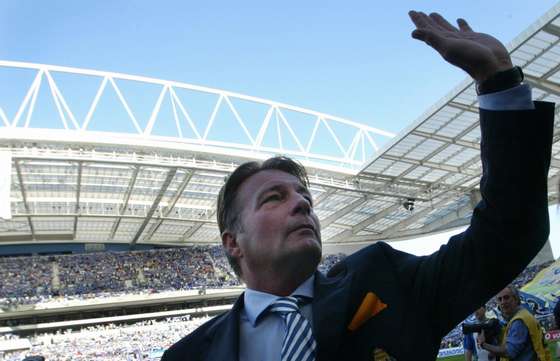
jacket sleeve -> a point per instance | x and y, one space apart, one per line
508 228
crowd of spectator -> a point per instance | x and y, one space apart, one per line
92 275
37 279
529 273
24 279
143 340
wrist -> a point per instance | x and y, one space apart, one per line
499 81
487 71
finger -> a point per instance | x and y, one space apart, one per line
435 24
429 37
463 25
442 23
421 20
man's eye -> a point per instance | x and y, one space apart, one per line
271 198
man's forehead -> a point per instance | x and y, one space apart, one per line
266 179
506 291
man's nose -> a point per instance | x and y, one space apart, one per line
301 204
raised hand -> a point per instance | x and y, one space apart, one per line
479 54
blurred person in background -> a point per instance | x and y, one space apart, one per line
523 338
473 351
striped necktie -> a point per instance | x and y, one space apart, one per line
299 343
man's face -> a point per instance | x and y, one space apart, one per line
480 314
508 302
278 224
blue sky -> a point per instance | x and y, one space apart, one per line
350 59
353 59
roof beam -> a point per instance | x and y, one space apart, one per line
385 212
405 235
170 206
170 175
543 84
24 197
77 207
127 194
392 232
454 117
467 108
365 191
366 222
447 168
343 211
192 230
452 170
552 29
470 162
426 118
448 187
414 217
456 187
111 216
463 168
551 72
327 193
449 218
468 130
443 138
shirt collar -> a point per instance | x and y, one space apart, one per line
256 301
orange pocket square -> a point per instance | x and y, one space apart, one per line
371 306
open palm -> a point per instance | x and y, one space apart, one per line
479 54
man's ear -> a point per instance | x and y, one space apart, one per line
229 241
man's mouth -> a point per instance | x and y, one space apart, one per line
307 227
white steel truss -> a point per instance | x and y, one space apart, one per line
276 133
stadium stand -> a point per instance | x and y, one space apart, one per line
40 279
106 274
55 278
144 340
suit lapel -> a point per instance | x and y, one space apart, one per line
225 338
330 319
330 313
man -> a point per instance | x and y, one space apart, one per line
471 346
380 297
523 338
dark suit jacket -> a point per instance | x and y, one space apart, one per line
426 296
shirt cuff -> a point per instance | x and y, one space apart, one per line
516 98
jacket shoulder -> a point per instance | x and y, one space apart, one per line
375 255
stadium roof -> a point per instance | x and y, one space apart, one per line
155 180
